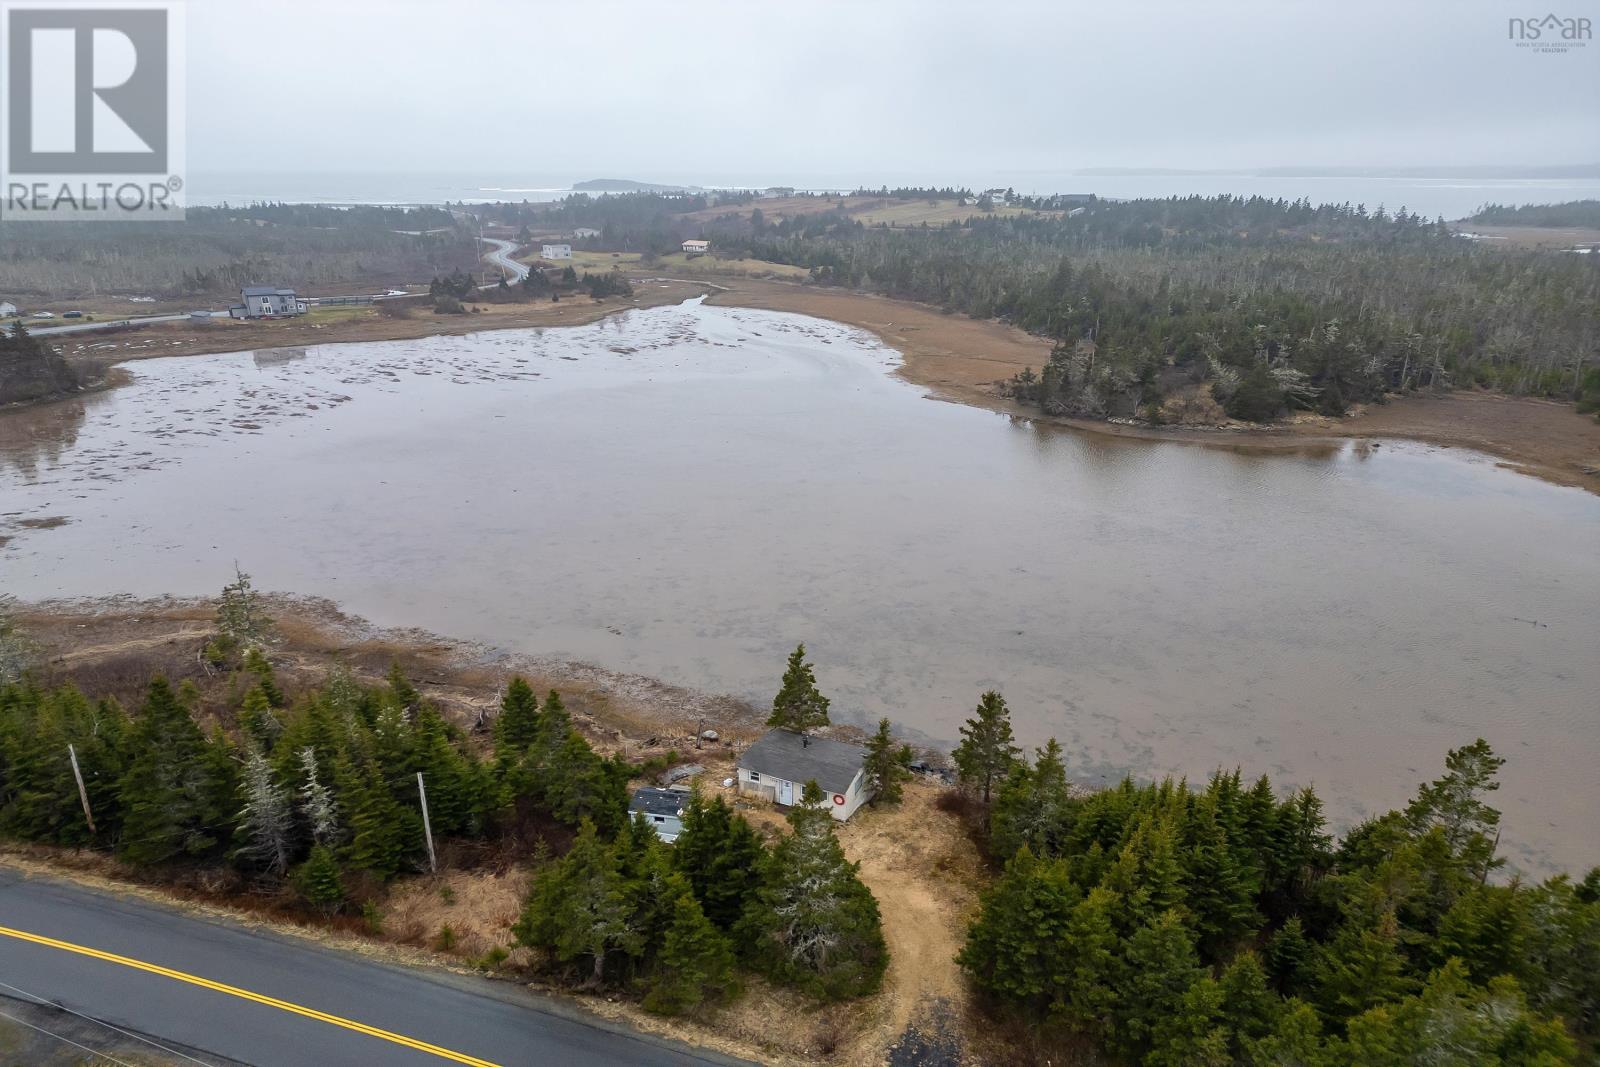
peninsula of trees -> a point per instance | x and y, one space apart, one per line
1263 306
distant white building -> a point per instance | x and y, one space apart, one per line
555 252
7 309
585 232
696 248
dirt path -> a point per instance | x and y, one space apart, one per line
924 873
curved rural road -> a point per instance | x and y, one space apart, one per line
267 999
500 256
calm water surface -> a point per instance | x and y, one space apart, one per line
688 491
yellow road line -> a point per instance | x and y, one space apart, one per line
245 994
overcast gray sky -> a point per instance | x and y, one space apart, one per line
642 89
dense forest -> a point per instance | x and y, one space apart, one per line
314 797
1167 925
1259 305
1574 213
217 250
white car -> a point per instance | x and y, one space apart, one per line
44 314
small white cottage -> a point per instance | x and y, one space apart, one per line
562 251
778 766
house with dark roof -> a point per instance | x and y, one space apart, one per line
266 302
663 808
778 766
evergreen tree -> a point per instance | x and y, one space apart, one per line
1192 1035
695 963
1091 966
1221 891
1019 944
1487 930
1453 804
317 803
257 720
1033 808
579 908
257 664
242 620
581 785
518 724
721 856
1296 1042
885 766
1249 1009
986 753
1159 967
814 924
317 880
402 692
1361 968
265 823
1290 958
172 786
382 832
1451 1022
457 796
798 706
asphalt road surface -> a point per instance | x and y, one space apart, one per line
269 999
500 256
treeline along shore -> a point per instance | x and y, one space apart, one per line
274 765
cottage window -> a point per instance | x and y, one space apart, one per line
755 776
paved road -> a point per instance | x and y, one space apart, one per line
500 256
268 999
101 324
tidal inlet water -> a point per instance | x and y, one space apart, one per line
687 492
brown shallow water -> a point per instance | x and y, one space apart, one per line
688 491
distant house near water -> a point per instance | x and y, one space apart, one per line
696 248
779 765
555 252
585 232
663 808
267 302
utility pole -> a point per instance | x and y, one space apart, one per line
83 794
427 826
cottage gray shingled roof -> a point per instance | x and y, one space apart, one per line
658 801
782 754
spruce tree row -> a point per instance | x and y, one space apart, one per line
1225 925
677 924
317 794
